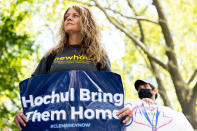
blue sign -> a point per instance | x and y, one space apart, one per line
73 101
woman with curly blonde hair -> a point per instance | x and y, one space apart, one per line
79 48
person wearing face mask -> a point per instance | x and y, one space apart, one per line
147 115
146 91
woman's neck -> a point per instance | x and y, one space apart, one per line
74 39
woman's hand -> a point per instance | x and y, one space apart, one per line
20 119
126 111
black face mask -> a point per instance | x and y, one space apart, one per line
145 93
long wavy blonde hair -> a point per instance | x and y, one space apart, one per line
90 46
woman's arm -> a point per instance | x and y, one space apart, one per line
41 68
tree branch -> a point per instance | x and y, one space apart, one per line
192 76
172 59
131 6
180 85
164 25
143 10
194 94
161 86
84 3
154 68
117 12
131 36
138 21
172 63
130 17
136 14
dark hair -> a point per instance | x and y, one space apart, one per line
141 82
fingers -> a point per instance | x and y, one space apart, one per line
127 119
17 123
124 112
24 117
20 119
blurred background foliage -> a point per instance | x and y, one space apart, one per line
16 47
26 24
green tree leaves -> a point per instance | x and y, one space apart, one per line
15 47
